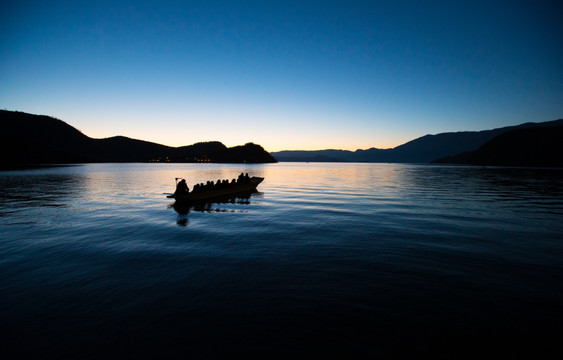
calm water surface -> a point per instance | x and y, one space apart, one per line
329 259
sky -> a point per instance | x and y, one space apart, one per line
288 75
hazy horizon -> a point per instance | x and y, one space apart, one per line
285 75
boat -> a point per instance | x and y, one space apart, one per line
229 190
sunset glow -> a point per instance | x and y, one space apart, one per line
286 75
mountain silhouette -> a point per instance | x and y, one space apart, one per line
421 150
539 146
247 153
38 139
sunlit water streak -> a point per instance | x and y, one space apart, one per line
364 259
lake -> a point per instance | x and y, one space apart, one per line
330 259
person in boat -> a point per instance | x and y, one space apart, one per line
246 178
240 178
181 188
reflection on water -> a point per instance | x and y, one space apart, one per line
24 195
213 205
336 259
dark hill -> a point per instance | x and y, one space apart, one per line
421 150
431 147
198 152
124 149
539 146
37 139
27 139
248 153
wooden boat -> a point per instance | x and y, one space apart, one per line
221 192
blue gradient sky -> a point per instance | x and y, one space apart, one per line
284 74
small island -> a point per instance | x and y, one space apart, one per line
28 139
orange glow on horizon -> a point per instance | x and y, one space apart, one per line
270 142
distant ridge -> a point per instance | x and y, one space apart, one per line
38 139
421 150
537 146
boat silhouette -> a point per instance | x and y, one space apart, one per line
219 192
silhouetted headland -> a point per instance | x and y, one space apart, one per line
28 140
538 147
425 149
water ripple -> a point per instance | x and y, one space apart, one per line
326 257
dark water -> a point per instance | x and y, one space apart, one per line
333 260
